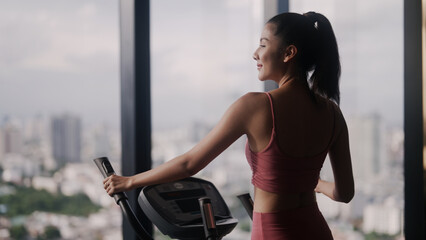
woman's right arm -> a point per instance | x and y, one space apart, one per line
233 125
342 189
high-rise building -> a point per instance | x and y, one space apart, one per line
66 139
1 144
12 139
367 142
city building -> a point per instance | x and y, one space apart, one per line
383 218
1 144
66 139
12 139
367 143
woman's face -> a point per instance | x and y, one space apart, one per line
269 55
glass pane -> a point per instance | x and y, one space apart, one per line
202 62
59 109
370 38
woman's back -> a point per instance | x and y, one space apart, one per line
304 124
292 135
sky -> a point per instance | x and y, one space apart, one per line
59 56
370 38
62 56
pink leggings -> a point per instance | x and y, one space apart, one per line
304 223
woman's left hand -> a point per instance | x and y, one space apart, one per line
114 184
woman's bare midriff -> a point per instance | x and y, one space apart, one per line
266 202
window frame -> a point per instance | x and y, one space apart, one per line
136 104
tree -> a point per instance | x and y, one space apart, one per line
50 232
19 232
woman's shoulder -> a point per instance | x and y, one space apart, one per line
334 109
331 104
250 103
339 119
337 111
253 95
253 99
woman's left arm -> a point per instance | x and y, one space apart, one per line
232 126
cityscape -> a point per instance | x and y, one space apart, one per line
60 104
54 156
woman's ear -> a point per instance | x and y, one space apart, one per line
290 53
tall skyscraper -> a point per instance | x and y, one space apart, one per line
12 139
66 139
1 145
367 142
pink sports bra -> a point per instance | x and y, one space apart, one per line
276 172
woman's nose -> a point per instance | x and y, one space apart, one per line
255 56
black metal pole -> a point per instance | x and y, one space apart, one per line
414 225
135 99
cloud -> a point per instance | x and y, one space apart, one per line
206 53
370 38
60 56
48 36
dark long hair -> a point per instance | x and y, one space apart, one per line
316 43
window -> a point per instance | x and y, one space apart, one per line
201 58
370 38
59 109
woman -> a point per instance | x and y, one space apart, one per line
289 132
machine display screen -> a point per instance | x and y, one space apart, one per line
183 194
175 208
189 205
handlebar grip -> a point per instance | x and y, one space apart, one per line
247 203
209 221
106 169
121 199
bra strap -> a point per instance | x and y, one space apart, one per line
272 109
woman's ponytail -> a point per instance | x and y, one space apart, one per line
314 38
325 78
